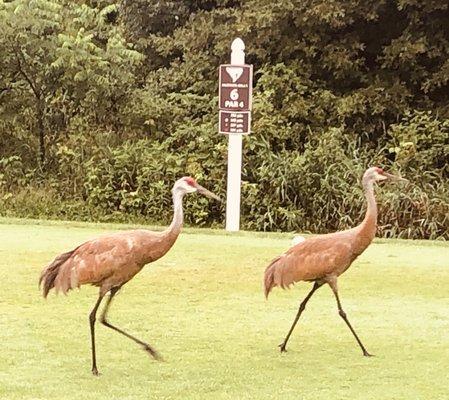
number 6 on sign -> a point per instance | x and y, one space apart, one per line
235 87
234 95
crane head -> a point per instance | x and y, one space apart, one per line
189 185
376 174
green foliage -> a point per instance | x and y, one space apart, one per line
104 105
422 151
422 143
61 60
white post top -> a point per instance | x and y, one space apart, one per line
238 52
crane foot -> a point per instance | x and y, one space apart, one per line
282 347
152 352
366 354
95 371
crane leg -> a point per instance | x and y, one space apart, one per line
333 285
105 322
92 318
302 307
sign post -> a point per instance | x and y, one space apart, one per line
235 96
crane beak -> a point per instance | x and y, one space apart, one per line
206 192
395 178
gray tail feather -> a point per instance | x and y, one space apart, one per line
49 274
269 277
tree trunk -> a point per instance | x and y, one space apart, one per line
41 131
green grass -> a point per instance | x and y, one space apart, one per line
203 309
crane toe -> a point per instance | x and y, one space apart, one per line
282 347
152 352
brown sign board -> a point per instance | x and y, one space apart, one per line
235 87
234 122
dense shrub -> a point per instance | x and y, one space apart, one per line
103 106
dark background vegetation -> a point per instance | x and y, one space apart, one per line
103 105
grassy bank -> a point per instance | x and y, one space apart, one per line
202 307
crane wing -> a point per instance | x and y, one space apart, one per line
308 261
120 254
91 262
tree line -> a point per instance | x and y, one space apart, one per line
104 104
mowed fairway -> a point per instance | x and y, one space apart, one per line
203 309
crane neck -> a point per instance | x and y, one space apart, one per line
369 224
159 243
178 214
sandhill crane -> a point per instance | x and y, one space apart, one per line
110 261
322 259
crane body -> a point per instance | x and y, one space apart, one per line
108 261
322 259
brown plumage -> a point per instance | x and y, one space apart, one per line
49 274
322 259
112 260
108 261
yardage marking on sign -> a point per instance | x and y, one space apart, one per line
235 122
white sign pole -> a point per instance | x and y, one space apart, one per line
234 156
